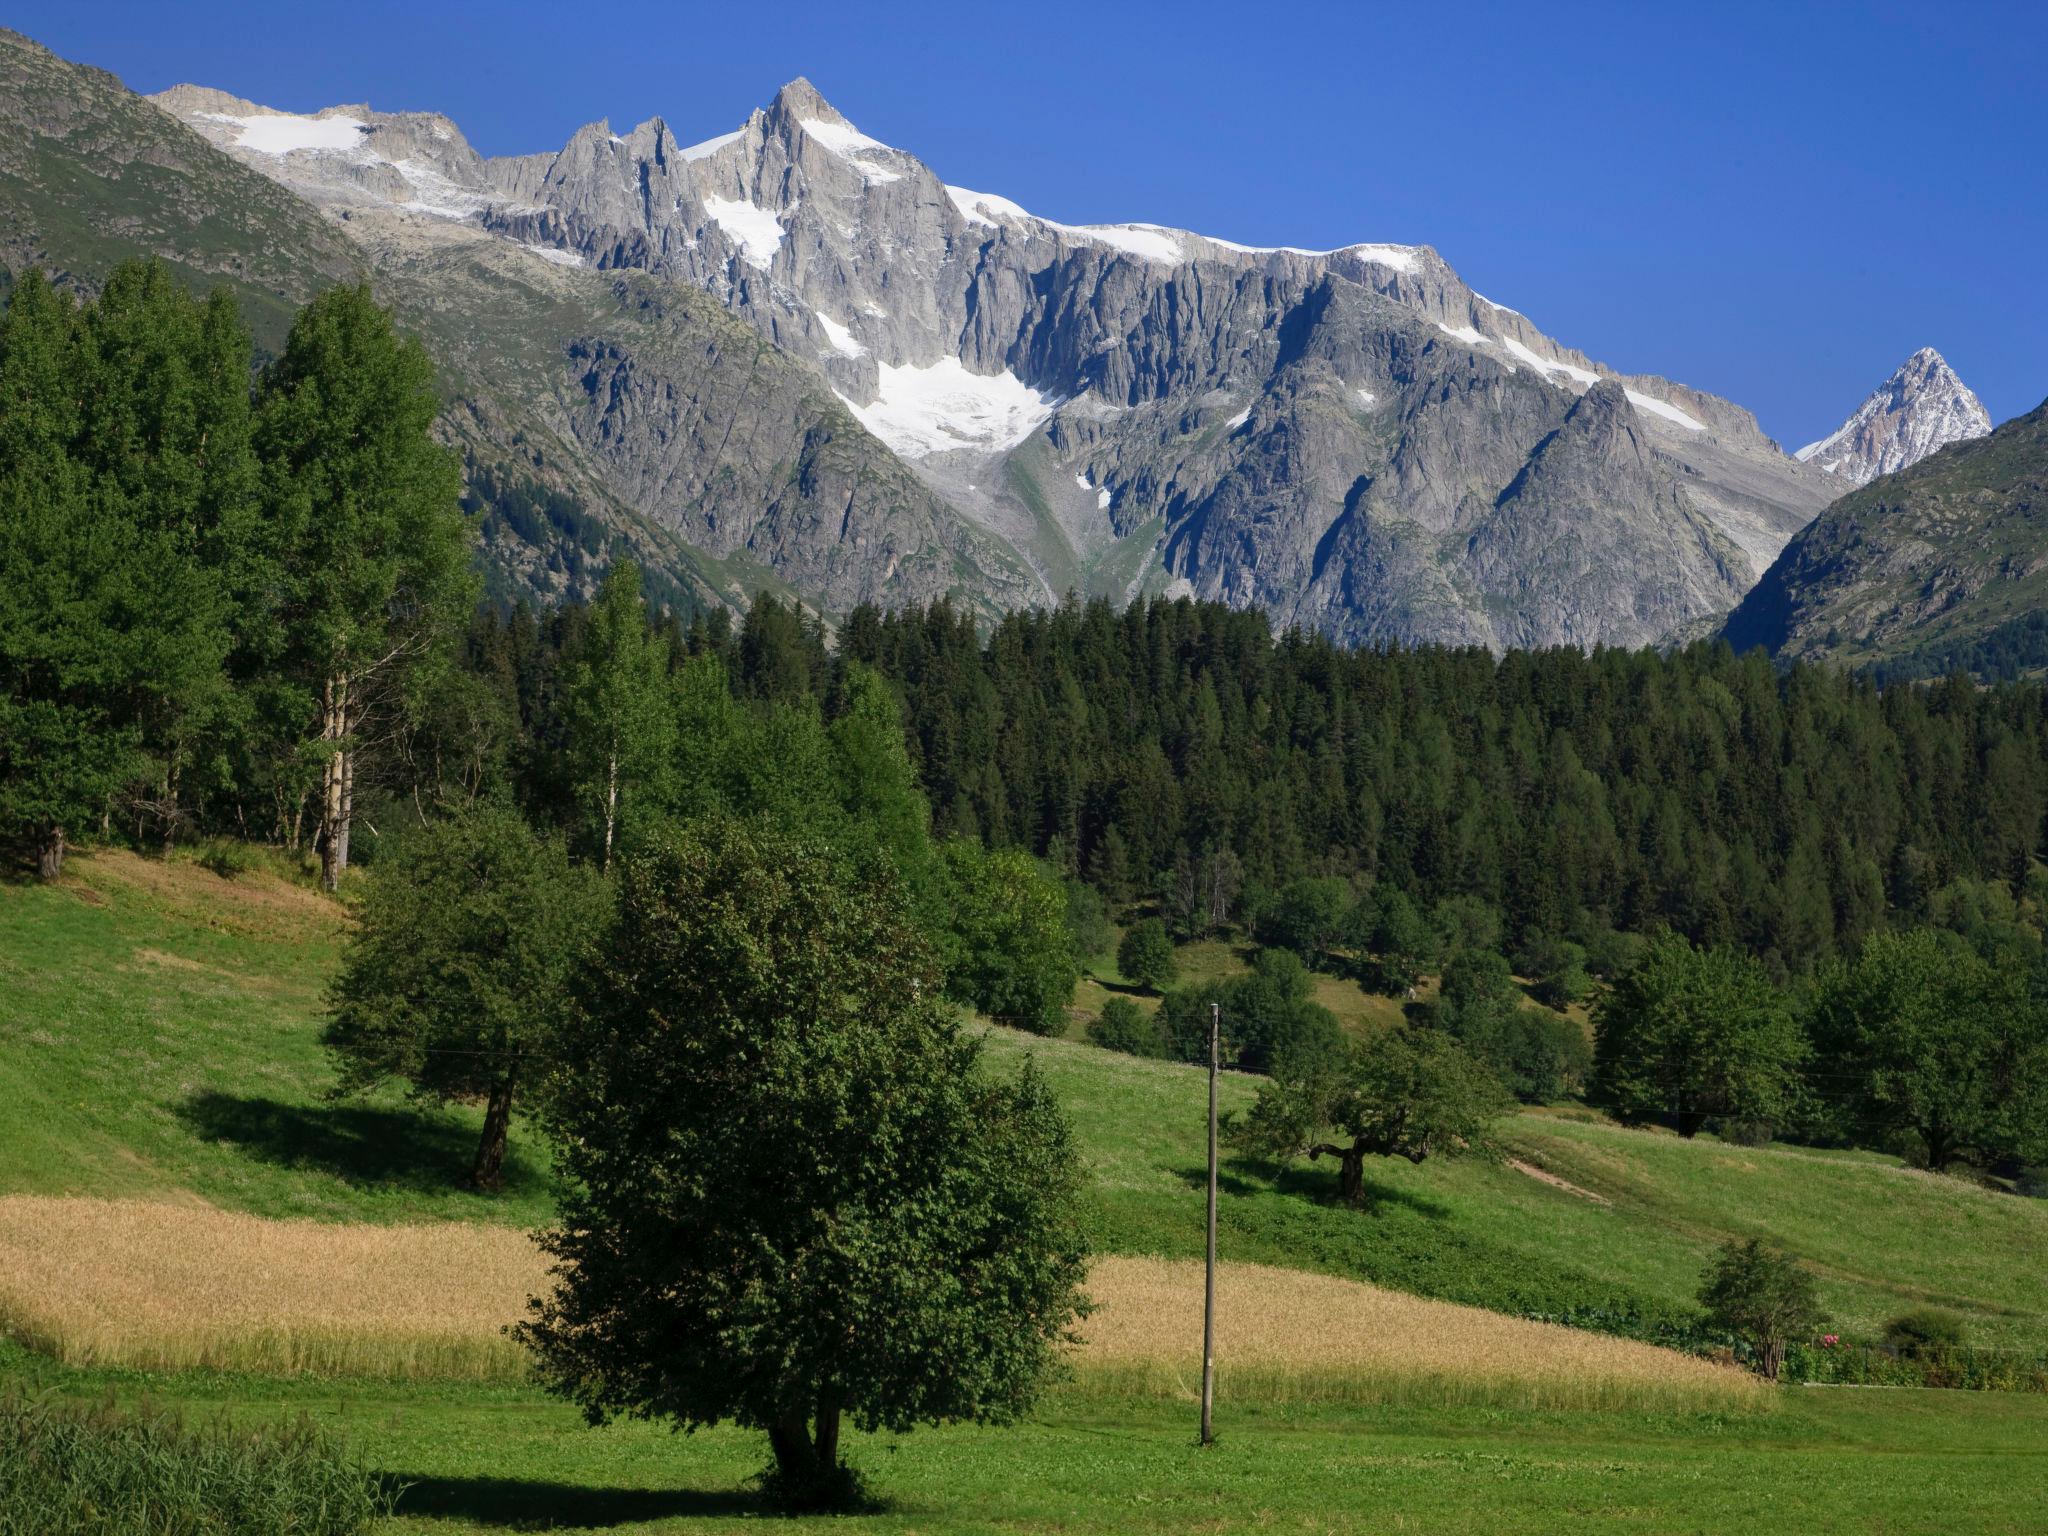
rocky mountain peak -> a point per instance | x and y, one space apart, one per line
1921 407
799 100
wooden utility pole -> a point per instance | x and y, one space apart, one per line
1209 1278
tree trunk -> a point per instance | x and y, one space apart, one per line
335 787
827 1442
611 808
796 1458
50 855
808 1462
1941 1146
1770 1357
488 1173
1351 1176
1689 1122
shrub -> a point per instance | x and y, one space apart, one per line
1763 1297
66 1470
1124 1026
1145 956
1925 1333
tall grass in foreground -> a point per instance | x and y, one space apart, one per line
126 1283
73 1470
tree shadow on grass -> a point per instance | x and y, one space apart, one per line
518 1504
1316 1185
397 1148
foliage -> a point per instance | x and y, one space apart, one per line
1536 1054
1764 1297
1124 1026
1400 941
1145 955
1009 952
1692 1034
619 722
364 541
1926 1333
1922 1036
1307 916
96 1470
1404 1093
457 974
800 1197
1267 1017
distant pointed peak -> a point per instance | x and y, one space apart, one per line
800 100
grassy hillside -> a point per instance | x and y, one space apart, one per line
161 1034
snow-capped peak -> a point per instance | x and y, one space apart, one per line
1921 407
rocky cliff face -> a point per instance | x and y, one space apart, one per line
1351 439
1921 407
1925 561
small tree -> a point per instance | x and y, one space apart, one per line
1145 955
793 1196
455 979
1693 1034
1762 1296
1124 1026
1406 1092
1307 916
1010 954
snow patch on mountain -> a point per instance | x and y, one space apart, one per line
284 133
840 337
757 231
934 409
709 147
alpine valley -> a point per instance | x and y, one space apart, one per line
792 357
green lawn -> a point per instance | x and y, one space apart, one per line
1826 1460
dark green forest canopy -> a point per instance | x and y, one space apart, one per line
1787 812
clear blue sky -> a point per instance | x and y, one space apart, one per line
1774 202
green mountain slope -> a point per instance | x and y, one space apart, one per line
161 1037
91 175
1940 565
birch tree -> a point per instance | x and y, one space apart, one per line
621 719
364 532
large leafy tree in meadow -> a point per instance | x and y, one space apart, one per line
1406 1092
794 1198
1921 1035
364 540
455 978
1696 1034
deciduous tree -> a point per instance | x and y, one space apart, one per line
793 1195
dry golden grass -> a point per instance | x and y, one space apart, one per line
1282 1333
158 1286
165 1287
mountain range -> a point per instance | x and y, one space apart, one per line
792 357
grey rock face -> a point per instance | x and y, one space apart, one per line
1349 439
1921 407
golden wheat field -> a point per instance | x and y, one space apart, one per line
169 1286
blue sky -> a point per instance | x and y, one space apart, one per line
1774 202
